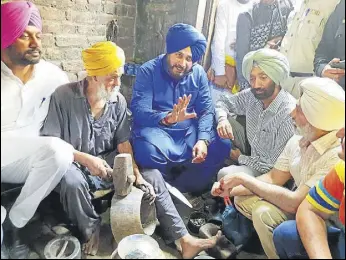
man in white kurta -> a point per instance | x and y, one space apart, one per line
27 83
223 46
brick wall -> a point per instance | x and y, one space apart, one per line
71 25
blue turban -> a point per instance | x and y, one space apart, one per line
181 36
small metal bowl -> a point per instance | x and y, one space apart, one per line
196 221
66 247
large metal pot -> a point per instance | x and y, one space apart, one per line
138 247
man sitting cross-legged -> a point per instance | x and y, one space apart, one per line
267 108
27 83
92 116
174 115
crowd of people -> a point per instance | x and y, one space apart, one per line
276 63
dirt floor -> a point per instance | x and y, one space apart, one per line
39 232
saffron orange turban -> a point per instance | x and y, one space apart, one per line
103 58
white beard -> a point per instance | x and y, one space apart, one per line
103 94
306 131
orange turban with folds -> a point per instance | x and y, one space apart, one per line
103 58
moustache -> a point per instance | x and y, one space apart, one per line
179 67
31 51
257 90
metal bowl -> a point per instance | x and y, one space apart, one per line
196 221
139 247
66 247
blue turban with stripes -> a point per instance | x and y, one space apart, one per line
181 36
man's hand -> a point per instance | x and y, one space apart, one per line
221 81
98 167
275 43
225 131
211 75
149 193
333 73
179 112
218 190
231 74
235 154
224 187
200 152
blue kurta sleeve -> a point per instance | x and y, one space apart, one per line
142 100
204 109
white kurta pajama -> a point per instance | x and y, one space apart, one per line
39 162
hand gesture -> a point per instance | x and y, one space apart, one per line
225 131
179 113
200 152
333 73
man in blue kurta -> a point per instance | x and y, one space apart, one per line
174 127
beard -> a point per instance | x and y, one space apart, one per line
104 94
178 72
263 94
306 131
29 57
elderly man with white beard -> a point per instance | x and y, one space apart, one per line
307 157
93 117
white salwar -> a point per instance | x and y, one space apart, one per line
37 162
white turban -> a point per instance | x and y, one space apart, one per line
323 103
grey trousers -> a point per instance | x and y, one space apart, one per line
239 132
240 142
234 169
76 200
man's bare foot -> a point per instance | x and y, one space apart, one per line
191 246
92 246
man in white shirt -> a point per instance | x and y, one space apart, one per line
302 39
307 158
223 72
27 83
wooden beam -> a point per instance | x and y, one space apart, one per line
210 32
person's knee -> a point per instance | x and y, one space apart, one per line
59 152
222 173
263 216
153 176
244 205
224 147
73 182
284 233
144 152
